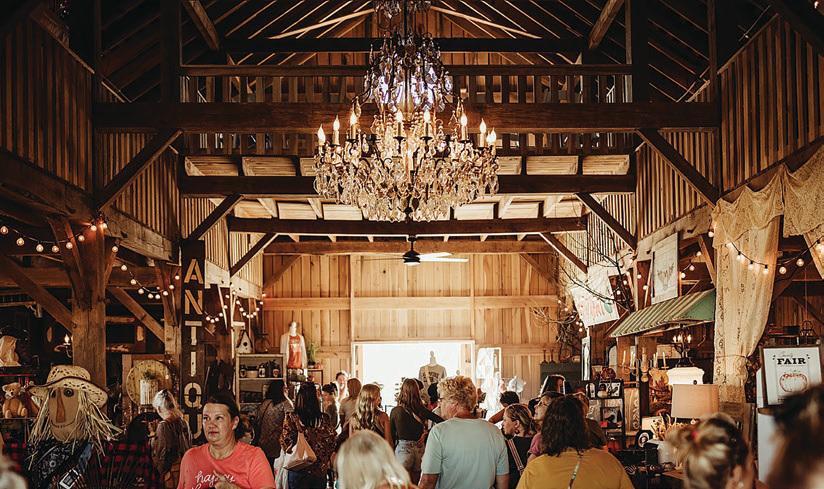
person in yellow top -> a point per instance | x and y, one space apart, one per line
567 459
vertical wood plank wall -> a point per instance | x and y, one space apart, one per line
603 241
341 277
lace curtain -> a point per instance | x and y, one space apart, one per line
804 203
743 295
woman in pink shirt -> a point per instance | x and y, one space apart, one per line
224 462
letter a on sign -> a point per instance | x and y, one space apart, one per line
193 270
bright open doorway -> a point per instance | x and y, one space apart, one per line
388 363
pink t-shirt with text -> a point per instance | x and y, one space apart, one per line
247 467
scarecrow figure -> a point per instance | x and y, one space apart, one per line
71 434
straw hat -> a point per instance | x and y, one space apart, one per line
73 377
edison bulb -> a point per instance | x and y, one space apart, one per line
93 228
114 249
39 247
782 269
81 238
55 249
124 267
800 262
20 241
4 230
69 245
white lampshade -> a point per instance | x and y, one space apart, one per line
685 375
693 401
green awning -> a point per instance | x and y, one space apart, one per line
689 309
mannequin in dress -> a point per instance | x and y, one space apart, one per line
293 348
431 373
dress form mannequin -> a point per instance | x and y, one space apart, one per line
293 348
431 373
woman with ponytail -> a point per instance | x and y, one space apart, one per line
714 454
519 428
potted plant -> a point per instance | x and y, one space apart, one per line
311 350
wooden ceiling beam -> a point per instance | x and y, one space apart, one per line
383 228
609 220
35 289
263 242
804 18
519 117
280 270
365 44
693 177
566 252
218 213
303 187
72 261
599 30
56 277
359 70
400 246
203 23
154 148
138 311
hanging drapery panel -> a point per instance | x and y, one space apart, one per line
803 204
744 292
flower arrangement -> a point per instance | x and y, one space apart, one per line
663 426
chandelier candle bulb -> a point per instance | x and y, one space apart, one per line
464 130
427 127
336 132
399 125
321 138
353 126
482 139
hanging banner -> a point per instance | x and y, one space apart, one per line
593 302
665 276
193 364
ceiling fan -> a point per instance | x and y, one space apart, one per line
412 257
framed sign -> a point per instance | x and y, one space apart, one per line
665 275
789 370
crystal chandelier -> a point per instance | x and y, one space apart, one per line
392 8
412 164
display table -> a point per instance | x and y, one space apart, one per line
676 476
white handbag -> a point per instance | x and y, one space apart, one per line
301 455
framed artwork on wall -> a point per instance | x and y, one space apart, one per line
789 370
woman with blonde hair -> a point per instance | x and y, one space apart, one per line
368 414
172 438
347 405
366 462
714 453
519 428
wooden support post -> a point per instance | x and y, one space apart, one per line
135 167
610 221
171 309
568 254
708 251
637 42
19 276
642 297
288 261
599 30
678 163
89 337
216 215
171 49
139 312
64 235
723 37
263 242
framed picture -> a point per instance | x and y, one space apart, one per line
610 389
611 414
789 370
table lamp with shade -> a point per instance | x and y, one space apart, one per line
691 401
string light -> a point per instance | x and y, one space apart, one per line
782 269
20 241
177 276
766 270
69 245
817 245
55 249
39 248
124 267
114 249
800 262
698 253
55 245
81 238
93 228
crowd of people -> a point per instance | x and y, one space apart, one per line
338 436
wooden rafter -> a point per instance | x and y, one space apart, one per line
170 312
599 30
608 219
72 260
279 271
804 18
257 117
667 151
216 215
139 312
32 286
383 228
303 187
566 252
56 277
454 246
203 23
154 148
539 267
253 251
708 251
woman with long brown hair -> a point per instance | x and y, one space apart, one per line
368 414
408 425
347 405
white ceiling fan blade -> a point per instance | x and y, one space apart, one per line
442 259
440 254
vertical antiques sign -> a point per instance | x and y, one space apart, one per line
192 362
665 274
594 301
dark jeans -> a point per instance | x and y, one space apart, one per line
299 480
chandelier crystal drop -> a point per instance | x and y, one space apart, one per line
393 8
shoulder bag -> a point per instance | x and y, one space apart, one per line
301 454
514 451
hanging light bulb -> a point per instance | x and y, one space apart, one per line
177 276
692 267
103 225
171 286
39 247
220 314
81 238
4 230
55 249
741 257
800 262
645 287
782 269
124 267
140 291
20 242
766 270
93 228
638 276
698 253
751 265
165 292
133 282
264 294
114 249
683 275
69 245
711 233
730 245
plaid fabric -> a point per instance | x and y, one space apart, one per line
122 465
